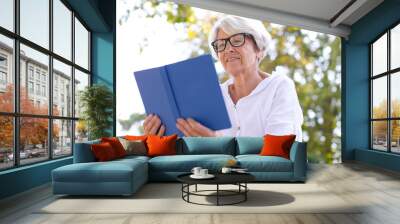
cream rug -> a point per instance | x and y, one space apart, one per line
166 198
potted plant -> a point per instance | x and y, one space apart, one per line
96 103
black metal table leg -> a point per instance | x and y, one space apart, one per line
188 189
217 194
221 193
245 194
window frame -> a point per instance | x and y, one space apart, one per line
388 74
16 114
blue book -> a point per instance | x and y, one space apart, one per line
184 89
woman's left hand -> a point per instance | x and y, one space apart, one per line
190 127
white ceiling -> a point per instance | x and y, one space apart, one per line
316 15
321 9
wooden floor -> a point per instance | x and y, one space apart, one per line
378 188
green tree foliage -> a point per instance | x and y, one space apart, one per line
134 118
97 104
313 62
379 128
311 59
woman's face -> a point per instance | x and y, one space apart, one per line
237 60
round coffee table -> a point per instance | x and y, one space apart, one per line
238 179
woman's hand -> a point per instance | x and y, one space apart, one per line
190 127
152 125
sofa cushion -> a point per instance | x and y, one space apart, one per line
249 145
132 158
208 145
111 171
257 163
185 163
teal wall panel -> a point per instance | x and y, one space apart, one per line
90 12
24 178
376 158
99 16
356 99
103 53
102 59
355 86
103 64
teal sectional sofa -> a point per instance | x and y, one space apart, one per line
125 176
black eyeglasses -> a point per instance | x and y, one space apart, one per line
235 40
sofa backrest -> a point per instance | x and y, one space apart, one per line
249 145
83 153
191 146
206 145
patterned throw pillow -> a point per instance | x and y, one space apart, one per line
134 147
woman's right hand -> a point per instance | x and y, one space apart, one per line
152 125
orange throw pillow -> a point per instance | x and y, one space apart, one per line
116 145
161 145
135 138
277 145
103 151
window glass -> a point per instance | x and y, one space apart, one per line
81 82
34 20
6 74
7 14
6 142
379 98
62 91
34 81
81 45
62 29
379 56
81 131
379 135
395 95
395 47
62 141
33 140
30 58
395 136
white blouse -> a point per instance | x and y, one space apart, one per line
271 108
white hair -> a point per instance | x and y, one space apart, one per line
235 24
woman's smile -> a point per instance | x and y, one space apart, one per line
231 59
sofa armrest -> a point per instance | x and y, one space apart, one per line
298 155
83 152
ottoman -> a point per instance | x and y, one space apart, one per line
118 177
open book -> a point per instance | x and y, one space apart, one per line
186 89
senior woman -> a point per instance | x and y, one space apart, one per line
258 103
